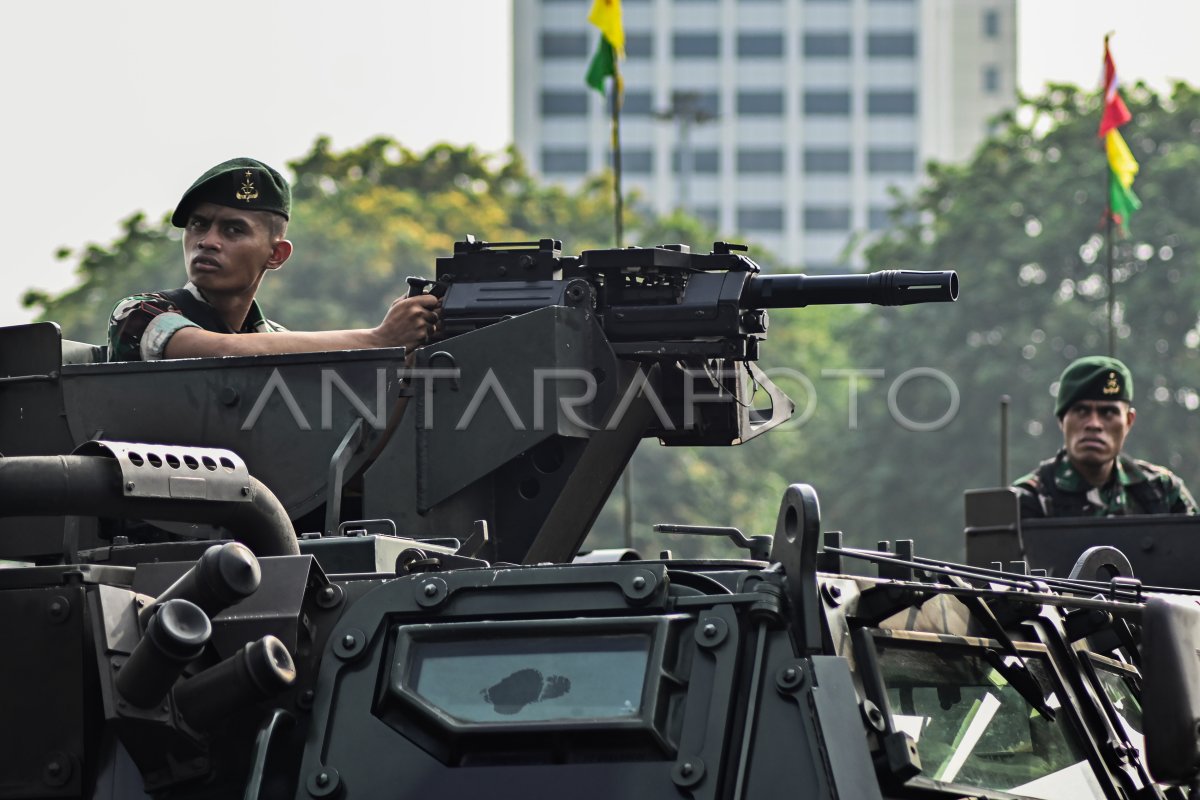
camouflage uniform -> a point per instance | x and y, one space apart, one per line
1055 489
141 325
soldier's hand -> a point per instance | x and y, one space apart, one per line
410 322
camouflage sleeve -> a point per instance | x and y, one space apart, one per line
1029 491
140 327
1179 499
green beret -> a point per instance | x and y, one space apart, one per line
1093 378
237 183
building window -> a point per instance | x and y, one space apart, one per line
760 218
881 218
636 160
822 102
639 45
760 161
892 103
891 45
638 104
760 45
564 104
696 45
834 160
760 103
991 24
892 160
705 162
826 45
564 45
826 218
991 79
564 160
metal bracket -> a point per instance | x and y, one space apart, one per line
753 421
350 445
797 534
176 472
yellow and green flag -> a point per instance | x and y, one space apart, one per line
606 15
1122 166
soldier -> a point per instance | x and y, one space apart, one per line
1090 477
234 220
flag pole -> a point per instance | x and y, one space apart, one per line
1112 283
619 237
618 203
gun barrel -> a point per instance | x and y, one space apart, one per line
889 287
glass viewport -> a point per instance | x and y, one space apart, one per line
974 729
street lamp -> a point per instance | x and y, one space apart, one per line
686 111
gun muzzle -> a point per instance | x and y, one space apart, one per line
889 287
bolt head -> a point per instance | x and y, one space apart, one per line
322 779
639 583
430 589
686 769
349 641
710 631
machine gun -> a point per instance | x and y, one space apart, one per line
698 318
658 303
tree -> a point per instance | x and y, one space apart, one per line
1022 224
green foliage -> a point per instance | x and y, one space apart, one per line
1022 223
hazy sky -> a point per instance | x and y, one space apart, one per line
116 106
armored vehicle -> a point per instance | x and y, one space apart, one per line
357 575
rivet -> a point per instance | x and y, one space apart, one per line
322 779
430 589
686 769
129 486
639 583
245 491
349 641
710 631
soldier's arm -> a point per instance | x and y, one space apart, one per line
1183 502
408 323
1029 492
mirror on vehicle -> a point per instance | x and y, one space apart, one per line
1171 688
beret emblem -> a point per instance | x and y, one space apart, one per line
247 192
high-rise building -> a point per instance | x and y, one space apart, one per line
785 122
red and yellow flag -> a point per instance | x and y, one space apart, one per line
1122 166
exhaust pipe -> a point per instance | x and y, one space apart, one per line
55 486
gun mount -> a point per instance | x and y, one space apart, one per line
550 371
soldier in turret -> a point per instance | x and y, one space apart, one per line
234 220
1090 476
